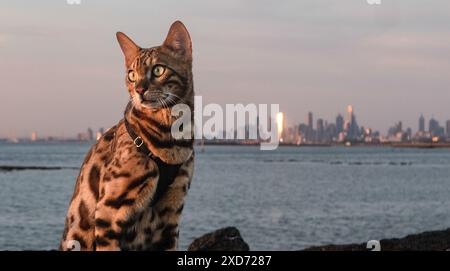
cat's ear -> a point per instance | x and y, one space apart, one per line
179 41
129 48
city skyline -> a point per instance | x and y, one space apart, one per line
388 60
346 128
313 129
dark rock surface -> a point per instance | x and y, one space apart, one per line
16 168
229 239
226 239
426 241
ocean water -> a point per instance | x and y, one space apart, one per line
286 199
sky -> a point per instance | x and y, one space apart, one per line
62 69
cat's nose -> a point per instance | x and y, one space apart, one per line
140 90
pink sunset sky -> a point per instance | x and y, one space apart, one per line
62 70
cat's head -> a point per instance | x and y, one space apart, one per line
159 77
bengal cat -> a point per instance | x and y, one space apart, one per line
131 189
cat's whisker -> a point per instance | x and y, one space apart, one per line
171 95
168 103
165 105
170 100
173 101
159 102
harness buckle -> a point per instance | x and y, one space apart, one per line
136 142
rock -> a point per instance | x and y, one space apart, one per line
16 168
229 239
226 239
426 241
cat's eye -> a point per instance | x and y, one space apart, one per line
132 76
158 70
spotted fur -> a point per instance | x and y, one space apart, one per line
114 205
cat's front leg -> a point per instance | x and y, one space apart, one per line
170 207
122 199
107 230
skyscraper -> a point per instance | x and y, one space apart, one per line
320 130
310 133
34 136
350 113
280 126
435 129
90 134
353 129
339 123
448 128
310 120
421 124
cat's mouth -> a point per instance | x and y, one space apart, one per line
157 99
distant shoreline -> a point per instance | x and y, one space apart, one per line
418 145
393 145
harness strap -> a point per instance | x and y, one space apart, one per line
167 172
